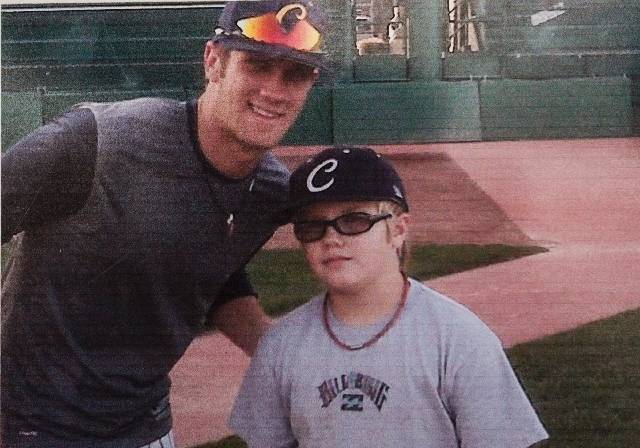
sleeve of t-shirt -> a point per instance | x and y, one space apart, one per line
260 414
238 285
490 409
48 174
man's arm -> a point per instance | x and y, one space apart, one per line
243 321
48 174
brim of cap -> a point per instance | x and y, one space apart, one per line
285 216
316 60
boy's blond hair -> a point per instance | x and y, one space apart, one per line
396 210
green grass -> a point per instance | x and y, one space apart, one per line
436 260
585 383
284 280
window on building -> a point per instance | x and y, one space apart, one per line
466 25
381 27
381 39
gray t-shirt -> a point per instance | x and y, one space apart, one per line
438 378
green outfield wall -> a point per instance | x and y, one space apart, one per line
577 75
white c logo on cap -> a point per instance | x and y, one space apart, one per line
312 188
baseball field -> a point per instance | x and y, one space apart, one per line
540 239
561 288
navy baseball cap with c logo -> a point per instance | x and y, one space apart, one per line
344 173
289 29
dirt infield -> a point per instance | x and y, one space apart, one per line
579 198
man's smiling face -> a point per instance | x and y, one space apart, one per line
259 97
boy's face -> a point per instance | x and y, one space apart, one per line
349 262
259 98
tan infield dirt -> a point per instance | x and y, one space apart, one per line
578 198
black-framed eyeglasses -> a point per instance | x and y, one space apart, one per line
352 223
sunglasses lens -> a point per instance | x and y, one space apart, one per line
307 232
353 223
267 28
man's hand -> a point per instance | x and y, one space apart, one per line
243 321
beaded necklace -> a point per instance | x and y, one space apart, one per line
378 335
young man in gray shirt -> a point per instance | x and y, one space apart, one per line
132 224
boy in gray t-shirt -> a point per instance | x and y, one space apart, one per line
379 360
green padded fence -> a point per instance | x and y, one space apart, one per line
541 39
635 102
406 112
476 65
574 76
380 67
21 113
315 124
80 50
519 109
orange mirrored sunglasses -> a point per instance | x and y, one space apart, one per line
268 28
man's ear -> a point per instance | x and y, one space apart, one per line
212 61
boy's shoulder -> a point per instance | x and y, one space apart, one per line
443 312
427 297
297 321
